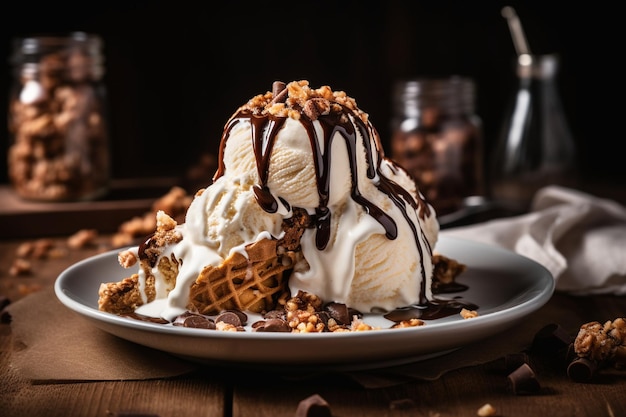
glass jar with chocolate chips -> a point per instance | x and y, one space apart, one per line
437 138
59 148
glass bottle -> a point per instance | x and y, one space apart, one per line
57 121
535 147
437 138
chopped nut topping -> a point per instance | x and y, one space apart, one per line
297 98
127 258
166 233
359 325
468 314
227 327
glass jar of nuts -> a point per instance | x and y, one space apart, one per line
57 121
437 138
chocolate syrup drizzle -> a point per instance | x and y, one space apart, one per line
265 128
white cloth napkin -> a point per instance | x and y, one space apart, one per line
579 238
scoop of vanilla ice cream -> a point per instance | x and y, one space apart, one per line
362 267
291 170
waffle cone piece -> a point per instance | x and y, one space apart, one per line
256 283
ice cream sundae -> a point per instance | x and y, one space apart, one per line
303 206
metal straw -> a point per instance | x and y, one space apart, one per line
517 32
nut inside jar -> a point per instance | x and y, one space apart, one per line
57 119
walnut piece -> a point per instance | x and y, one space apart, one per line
127 258
82 238
445 270
20 267
468 314
602 342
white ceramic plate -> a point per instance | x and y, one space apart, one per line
506 287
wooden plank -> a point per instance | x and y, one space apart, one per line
127 198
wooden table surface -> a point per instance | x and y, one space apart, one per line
245 393
248 393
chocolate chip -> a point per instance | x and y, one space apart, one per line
311 109
551 339
229 317
279 91
339 312
313 406
581 370
524 381
271 325
277 87
179 320
354 312
197 321
323 317
243 317
275 314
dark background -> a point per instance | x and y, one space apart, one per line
177 70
